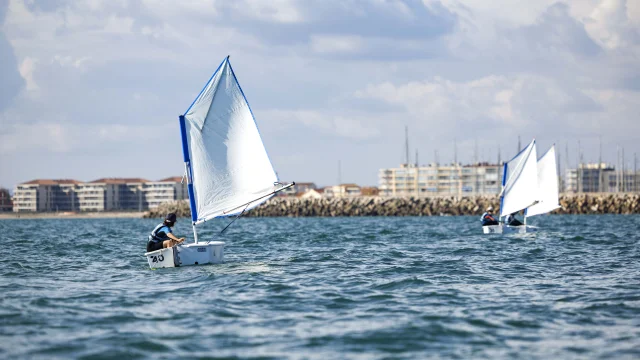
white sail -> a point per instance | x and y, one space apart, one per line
520 181
547 185
230 168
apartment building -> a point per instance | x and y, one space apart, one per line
46 195
592 178
6 204
438 180
112 194
169 189
106 194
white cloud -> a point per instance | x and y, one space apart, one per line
64 137
352 127
27 67
118 25
611 26
520 103
328 44
76 62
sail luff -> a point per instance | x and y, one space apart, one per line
520 190
188 171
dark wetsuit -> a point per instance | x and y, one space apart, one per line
488 219
512 221
157 237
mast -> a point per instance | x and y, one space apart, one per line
188 172
624 187
417 175
578 166
406 143
635 173
600 182
455 151
567 166
475 151
559 169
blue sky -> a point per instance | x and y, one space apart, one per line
93 88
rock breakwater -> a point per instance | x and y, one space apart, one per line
410 206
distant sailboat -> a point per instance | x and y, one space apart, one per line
227 167
519 188
523 183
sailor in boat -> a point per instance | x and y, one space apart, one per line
511 220
162 236
487 218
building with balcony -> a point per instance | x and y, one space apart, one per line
6 204
593 178
46 195
169 189
106 194
437 180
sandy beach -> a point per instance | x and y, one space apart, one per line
70 215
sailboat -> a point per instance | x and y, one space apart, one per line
227 168
527 184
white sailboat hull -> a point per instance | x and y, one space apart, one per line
186 255
506 229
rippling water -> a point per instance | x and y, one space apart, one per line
324 288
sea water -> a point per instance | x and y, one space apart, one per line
324 288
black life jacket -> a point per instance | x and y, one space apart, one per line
156 236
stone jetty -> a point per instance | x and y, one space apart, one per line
409 206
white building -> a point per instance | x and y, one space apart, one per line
169 189
46 195
436 180
104 194
342 190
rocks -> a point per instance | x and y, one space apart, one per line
411 206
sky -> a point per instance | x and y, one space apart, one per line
93 89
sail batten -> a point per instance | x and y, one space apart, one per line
229 164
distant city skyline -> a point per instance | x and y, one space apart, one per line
92 89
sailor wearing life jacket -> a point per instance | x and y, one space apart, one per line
487 218
511 220
162 236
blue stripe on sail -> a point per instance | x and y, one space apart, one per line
250 111
504 175
504 179
185 144
192 202
185 153
205 85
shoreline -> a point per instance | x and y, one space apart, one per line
72 215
